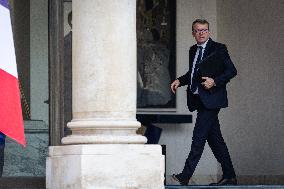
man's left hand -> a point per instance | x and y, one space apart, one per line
208 82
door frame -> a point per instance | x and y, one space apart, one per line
56 71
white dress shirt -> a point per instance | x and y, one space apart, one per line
194 61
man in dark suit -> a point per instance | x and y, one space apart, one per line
210 69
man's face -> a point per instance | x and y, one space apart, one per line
200 33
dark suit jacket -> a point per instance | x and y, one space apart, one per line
216 64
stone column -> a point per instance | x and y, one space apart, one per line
104 73
104 150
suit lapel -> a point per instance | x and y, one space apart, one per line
191 56
208 49
192 52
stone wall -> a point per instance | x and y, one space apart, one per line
253 125
29 161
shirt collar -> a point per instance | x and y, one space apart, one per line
203 45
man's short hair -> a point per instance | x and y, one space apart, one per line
199 21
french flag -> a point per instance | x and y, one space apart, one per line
11 119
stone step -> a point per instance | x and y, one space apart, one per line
225 187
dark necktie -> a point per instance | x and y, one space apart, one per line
194 82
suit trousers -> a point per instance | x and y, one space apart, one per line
207 128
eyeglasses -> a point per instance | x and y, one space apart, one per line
200 31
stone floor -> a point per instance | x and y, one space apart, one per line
39 183
226 187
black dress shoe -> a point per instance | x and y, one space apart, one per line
223 182
179 181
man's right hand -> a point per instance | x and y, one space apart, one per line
175 85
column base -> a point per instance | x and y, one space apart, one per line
105 166
104 139
104 131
